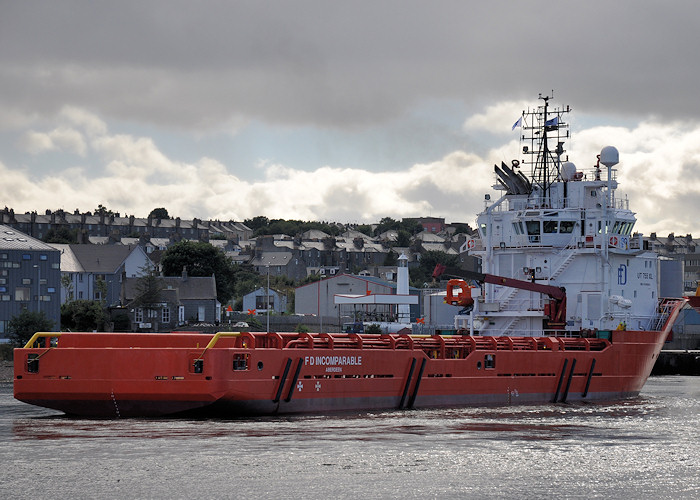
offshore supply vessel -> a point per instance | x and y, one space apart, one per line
566 308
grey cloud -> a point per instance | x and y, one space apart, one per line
195 64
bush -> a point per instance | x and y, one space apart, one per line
373 328
27 323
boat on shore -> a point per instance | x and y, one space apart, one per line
566 309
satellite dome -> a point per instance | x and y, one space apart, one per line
609 156
568 171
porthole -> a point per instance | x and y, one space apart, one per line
478 365
260 365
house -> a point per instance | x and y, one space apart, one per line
96 272
30 278
184 300
259 300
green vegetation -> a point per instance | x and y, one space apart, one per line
83 316
21 327
202 259
410 226
149 289
159 213
373 328
61 234
422 274
102 210
261 226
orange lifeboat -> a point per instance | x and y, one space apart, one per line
459 293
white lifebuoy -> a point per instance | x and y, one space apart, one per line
471 243
613 241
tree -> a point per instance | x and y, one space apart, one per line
102 210
159 213
403 238
61 234
67 283
148 289
83 315
27 323
202 259
391 258
423 273
101 287
257 222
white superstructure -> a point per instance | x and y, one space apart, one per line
561 227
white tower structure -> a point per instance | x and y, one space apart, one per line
404 311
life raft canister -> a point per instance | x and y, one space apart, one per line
463 296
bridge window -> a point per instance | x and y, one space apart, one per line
566 226
550 226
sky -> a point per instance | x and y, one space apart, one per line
338 111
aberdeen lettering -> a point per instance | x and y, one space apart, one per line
333 360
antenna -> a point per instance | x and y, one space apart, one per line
540 126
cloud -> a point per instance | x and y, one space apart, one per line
59 139
498 118
659 173
340 65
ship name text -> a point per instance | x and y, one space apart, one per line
333 360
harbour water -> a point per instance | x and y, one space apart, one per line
647 447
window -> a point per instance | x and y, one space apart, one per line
50 290
26 281
5 298
80 278
22 293
43 257
3 256
165 316
533 227
138 315
550 226
26 256
261 302
566 226
80 294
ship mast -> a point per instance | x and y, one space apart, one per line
540 126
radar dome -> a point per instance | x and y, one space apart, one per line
609 156
568 171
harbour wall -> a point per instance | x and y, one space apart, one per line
677 363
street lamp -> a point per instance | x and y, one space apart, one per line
267 299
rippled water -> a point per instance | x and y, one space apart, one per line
648 447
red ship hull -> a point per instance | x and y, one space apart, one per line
125 375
